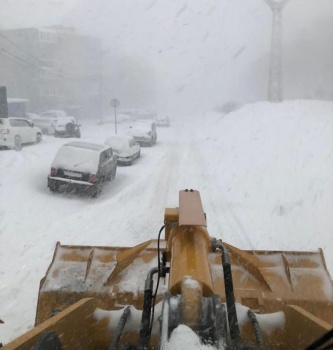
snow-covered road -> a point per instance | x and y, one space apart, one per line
264 173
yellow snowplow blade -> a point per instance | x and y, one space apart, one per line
108 274
84 296
263 280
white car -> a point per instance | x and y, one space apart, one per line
17 131
125 148
46 124
144 132
54 114
162 121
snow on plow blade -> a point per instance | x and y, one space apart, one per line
263 280
85 294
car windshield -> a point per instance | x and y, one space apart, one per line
232 98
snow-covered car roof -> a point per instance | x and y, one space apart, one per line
58 112
87 145
119 142
142 125
66 119
144 121
18 118
79 156
31 115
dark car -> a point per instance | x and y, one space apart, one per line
83 166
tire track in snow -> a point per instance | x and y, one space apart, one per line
228 223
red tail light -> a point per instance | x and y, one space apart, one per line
92 178
53 171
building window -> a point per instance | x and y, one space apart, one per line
48 90
48 37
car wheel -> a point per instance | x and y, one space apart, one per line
70 128
97 190
110 176
139 154
38 138
113 173
78 134
17 143
54 186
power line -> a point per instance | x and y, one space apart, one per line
37 67
69 76
20 48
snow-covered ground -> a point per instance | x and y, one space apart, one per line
265 173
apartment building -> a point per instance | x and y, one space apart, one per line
53 67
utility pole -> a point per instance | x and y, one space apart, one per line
3 102
101 95
275 69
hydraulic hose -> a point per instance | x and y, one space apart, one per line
256 329
321 341
230 297
146 311
119 329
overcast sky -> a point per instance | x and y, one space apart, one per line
198 49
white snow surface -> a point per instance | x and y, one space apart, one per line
265 174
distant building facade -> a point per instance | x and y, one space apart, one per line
53 67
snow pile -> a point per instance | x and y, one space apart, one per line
183 338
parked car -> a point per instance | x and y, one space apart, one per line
14 132
54 114
163 121
82 166
46 124
125 148
67 127
144 132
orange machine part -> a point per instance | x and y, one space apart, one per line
189 247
